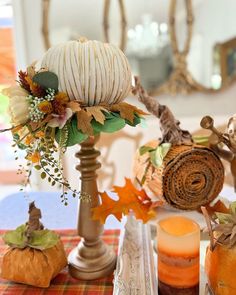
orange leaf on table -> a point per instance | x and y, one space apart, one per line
127 111
107 207
131 198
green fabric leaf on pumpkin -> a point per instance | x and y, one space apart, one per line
157 156
145 149
75 136
43 239
136 121
143 123
233 207
110 125
16 238
46 80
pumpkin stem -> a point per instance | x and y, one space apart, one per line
82 39
34 220
171 131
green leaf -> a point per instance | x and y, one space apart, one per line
143 123
233 207
145 149
137 120
157 156
111 115
223 217
16 136
203 140
40 239
75 136
21 146
37 167
43 175
110 125
46 80
16 238
43 239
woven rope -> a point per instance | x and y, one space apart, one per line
190 176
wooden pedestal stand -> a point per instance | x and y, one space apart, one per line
92 258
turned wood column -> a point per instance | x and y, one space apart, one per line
92 258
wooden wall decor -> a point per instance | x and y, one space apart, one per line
45 23
106 10
123 38
181 80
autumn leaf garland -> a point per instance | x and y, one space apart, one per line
36 106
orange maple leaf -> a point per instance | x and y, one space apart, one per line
130 198
107 207
136 200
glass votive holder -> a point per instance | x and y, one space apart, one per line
178 244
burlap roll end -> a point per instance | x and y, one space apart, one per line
189 177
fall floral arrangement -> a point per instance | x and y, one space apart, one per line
45 121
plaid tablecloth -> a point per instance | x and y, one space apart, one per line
63 284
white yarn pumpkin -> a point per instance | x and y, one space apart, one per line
90 71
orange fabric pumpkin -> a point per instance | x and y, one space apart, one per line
33 267
220 266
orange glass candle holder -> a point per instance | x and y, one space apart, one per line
178 256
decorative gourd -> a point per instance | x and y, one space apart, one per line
189 176
175 169
220 265
220 260
35 255
90 71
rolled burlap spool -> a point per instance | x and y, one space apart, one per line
189 177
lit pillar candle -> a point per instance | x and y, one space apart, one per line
178 256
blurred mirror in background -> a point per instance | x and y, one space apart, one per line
147 42
148 45
68 20
211 60
212 56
